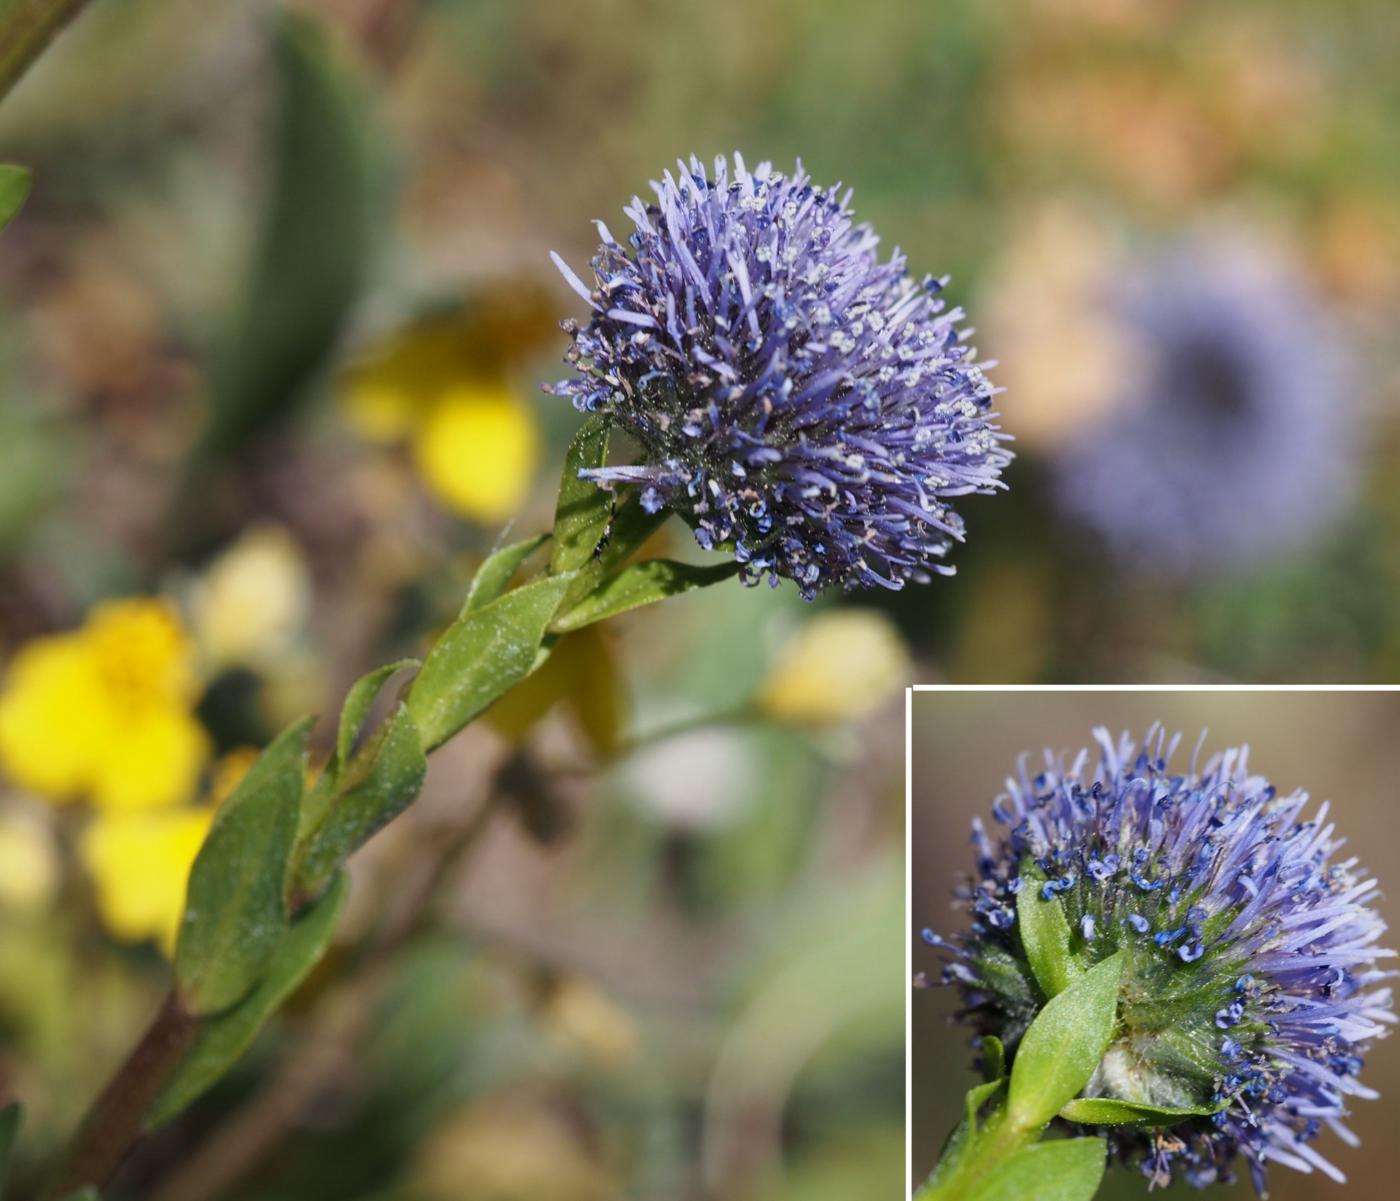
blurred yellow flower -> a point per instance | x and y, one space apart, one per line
250 604
28 861
474 437
105 711
839 667
477 450
582 1016
139 864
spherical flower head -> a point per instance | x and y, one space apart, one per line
793 397
1231 437
1250 988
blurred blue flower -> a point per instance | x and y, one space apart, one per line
794 398
1250 982
1234 438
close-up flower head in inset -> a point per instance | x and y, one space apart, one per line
795 397
1250 985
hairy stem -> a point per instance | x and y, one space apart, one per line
26 28
113 1124
970 1159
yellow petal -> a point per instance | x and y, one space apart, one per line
29 867
477 451
839 667
388 392
55 718
142 651
139 864
250 603
154 759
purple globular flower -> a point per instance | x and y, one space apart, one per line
1250 985
1233 437
794 397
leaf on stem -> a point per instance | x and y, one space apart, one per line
376 786
1063 1046
480 656
1044 934
235 907
14 189
223 1038
357 705
496 571
1108 1111
1063 1170
642 584
583 510
993 1057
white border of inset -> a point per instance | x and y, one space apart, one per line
909 831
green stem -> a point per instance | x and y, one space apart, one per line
970 1159
26 28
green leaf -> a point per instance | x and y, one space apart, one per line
379 784
1109 1111
993 1057
14 189
583 510
1062 1170
481 656
315 243
236 910
642 584
1044 934
1064 1045
495 573
357 705
978 1096
222 1039
10 1118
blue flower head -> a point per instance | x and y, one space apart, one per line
1233 439
793 397
1250 986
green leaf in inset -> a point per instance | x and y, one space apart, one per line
223 1038
1109 1111
314 248
496 571
1063 1046
376 786
993 1057
978 1096
10 1118
14 188
1062 1170
642 584
235 908
584 509
480 656
1044 934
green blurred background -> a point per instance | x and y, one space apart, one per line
1338 746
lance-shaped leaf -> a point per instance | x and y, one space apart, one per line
14 188
10 1118
1108 1111
313 253
375 787
357 705
993 1057
642 584
235 908
1044 934
480 656
224 1037
1063 1170
496 571
1064 1045
583 510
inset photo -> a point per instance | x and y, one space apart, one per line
1150 943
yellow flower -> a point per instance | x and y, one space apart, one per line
477 449
139 864
28 861
839 667
106 711
474 437
251 602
